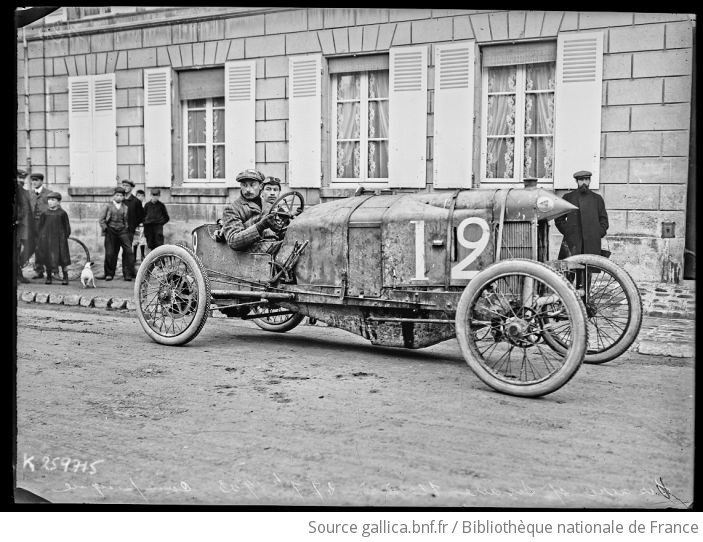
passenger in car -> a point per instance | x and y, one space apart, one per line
244 225
270 191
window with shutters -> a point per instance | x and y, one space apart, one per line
518 96
204 141
360 118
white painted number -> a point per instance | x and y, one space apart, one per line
419 249
459 271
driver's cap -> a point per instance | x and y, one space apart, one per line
250 175
272 180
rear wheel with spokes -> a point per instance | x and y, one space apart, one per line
501 321
613 308
172 294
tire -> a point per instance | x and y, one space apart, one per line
613 309
277 324
496 329
80 255
172 291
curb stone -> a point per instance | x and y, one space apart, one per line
118 303
56 299
73 299
86 301
41 297
101 302
28 297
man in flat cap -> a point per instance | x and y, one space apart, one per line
115 226
24 225
38 197
135 215
583 228
244 226
271 189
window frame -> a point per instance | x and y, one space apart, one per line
209 144
519 135
346 182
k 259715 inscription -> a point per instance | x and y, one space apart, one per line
64 463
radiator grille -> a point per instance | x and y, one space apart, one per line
517 240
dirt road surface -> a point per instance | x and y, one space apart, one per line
318 416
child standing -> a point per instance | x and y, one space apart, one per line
155 216
54 229
139 240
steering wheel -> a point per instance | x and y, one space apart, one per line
287 207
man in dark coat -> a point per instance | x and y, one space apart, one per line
155 216
113 223
39 200
135 217
54 229
583 228
24 225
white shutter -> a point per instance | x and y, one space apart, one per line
407 117
453 114
577 109
104 131
304 121
80 130
240 118
157 127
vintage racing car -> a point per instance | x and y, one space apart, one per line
410 270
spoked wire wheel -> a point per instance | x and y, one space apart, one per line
613 308
172 294
280 323
501 322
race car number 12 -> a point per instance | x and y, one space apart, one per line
459 271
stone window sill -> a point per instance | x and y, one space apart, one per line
193 191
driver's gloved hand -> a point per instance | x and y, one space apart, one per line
298 210
266 222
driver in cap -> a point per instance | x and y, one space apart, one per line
244 225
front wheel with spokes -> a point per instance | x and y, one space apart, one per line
172 294
501 321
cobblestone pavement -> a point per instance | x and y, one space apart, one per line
666 337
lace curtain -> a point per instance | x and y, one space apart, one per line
537 134
218 138
198 140
349 137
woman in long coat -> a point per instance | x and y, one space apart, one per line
54 229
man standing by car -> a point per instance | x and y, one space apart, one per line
114 225
39 200
244 227
584 227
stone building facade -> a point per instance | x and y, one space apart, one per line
327 99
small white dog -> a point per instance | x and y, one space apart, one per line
87 275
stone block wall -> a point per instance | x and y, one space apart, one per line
645 115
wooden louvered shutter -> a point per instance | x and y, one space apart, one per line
104 131
240 118
304 124
577 109
453 115
407 117
80 130
157 127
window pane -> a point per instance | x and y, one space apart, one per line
538 157
502 79
348 159
499 158
501 115
348 86
378 119
378 159
378 84
218 102
218 162
218 126
539 113
196 162
348 121
196 104
540 76
196 126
